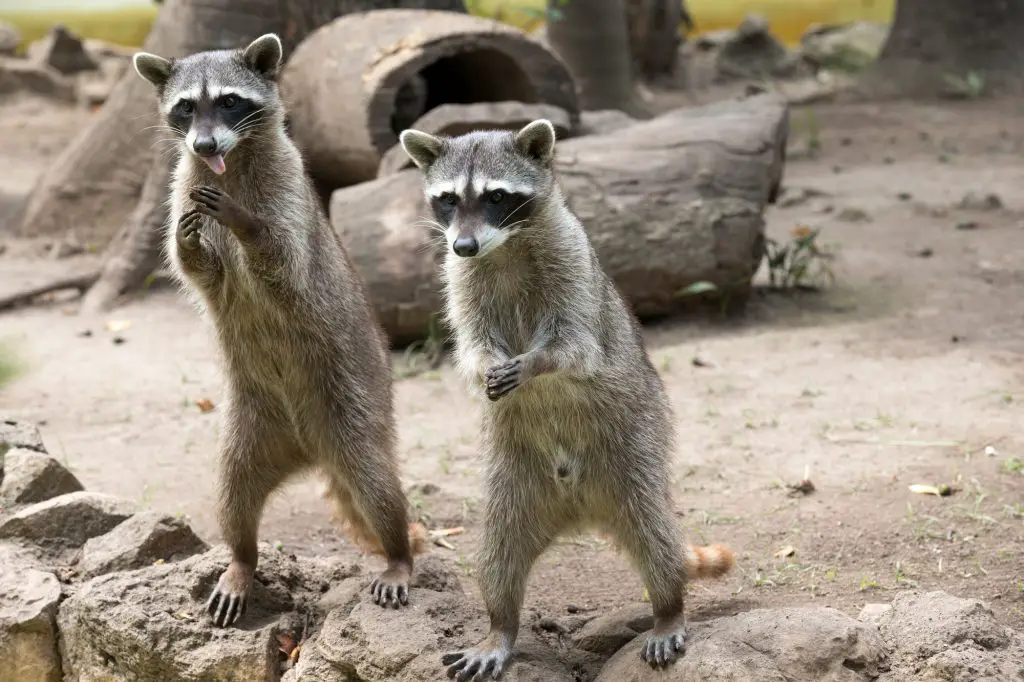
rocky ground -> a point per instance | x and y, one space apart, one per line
907 371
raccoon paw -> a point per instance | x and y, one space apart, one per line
188 231
216 203
500 380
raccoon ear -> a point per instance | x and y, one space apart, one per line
263 55
153 68
421 147
537 140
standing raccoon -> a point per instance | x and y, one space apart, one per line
307 368
578 430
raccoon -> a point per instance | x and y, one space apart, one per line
307 366
577 430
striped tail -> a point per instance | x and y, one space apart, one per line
712 561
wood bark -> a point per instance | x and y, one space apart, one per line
654 37
934 43
666 202
341 83
593 39
96 184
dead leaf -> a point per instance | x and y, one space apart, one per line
441 542
117 325
447 532
941 490
182 615
788 550
159 562
804 487
205 405
287 644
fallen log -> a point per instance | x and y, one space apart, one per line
459 119
354 84
667 202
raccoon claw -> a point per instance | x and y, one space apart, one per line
660 650
391 587
188 231
230 597
475 664
501 379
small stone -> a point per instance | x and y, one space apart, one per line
967 225
849 214
28 631
872 612
925 253
19 434
67 521
904 196
980 202
30 476
608 633
140 541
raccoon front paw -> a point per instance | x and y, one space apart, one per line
500 380
188 231
216 203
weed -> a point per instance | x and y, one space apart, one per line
11 366
868 583
969 86
426 354
1014 465
801 263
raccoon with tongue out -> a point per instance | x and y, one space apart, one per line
308 377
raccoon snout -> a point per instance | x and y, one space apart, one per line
205 146
466 246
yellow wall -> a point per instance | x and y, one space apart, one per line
129 25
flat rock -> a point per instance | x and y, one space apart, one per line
143 539
63 51
752 52
10 38
28 631
358 640
151 623
604 121
777 645
935 637
848 47
30 476
67 521
19 434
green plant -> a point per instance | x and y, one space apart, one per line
426 354
10 365
800 263
969 86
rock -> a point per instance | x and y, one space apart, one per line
63 51
358 642
22 76
872 612
604 121
151 624
608 633
936 637
140 541
10 39
18 434
851 214
980 202
752 52
68 521
850 48
765 645
28 632
31 476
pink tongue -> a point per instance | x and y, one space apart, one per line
216 163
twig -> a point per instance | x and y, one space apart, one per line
79 282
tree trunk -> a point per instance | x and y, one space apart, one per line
593 39
654 37
95 185
934 46
666 203
342 83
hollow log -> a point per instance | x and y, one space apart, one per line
343 80
667 202
459 119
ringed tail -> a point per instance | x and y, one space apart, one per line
712 561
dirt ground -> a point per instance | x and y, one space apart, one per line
909 370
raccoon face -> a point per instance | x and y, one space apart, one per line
213 100
483 187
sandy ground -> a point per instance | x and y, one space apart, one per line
904 372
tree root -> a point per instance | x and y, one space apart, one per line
79 282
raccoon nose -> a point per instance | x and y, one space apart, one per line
205 145
466 246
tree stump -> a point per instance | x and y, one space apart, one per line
666 202
342 81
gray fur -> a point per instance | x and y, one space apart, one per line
307 368
578 430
